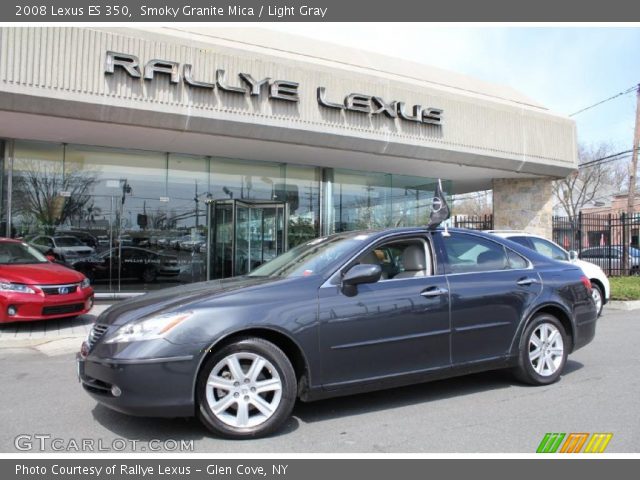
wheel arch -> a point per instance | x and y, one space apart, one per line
283 341
556 310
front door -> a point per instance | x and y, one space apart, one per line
397 325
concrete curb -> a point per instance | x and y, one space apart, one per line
627 305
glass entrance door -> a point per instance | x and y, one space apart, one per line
244 235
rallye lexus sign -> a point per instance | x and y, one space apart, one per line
284 90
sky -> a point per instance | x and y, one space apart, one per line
563 68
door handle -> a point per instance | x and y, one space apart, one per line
525 282
434 292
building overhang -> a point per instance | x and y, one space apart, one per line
82 98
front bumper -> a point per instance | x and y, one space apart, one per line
34 306
154 387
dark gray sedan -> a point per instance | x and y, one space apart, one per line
343 314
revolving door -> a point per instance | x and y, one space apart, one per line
244 234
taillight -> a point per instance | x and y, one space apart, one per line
587 283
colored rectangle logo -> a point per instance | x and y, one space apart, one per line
575 442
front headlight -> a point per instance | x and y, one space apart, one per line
86 283
149 329
15 287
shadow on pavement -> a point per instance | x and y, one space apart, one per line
148 428
422 393
144 429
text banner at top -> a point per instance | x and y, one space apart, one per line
319 11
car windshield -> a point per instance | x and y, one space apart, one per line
68 242
19 254
310 258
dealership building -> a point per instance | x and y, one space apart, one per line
214 149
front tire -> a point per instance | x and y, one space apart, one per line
543 351
246 390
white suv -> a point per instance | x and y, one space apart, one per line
599 280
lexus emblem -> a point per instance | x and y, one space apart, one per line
63 290
437 204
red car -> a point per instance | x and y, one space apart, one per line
34 288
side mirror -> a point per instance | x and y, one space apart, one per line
51 258
573 255
360 274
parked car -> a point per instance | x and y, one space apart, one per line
176 242
124 240
611 257
63 247
103 240
164 242
129 262
193 244
322 320
33 288
85 237
599 281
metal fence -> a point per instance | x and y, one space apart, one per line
600 239
475 222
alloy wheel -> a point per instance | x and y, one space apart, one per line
597 298
546 349
243 390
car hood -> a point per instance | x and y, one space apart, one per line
40 274
169 299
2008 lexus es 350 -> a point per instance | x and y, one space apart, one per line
347 313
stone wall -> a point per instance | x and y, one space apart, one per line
523 204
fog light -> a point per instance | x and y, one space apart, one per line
12 310
115 391
89 303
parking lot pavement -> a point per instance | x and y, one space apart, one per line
51 337
487 412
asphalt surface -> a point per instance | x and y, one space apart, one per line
488 412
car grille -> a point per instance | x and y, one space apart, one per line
97 331
58 289
62 309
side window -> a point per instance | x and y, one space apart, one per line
405 258
469 253
516 261
548 249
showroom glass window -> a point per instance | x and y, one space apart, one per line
302 192
361 200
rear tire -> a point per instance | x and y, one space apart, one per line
247 389
543 351
598 297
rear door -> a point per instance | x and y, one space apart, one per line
491 288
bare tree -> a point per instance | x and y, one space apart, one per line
474 204
38 186
588 183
